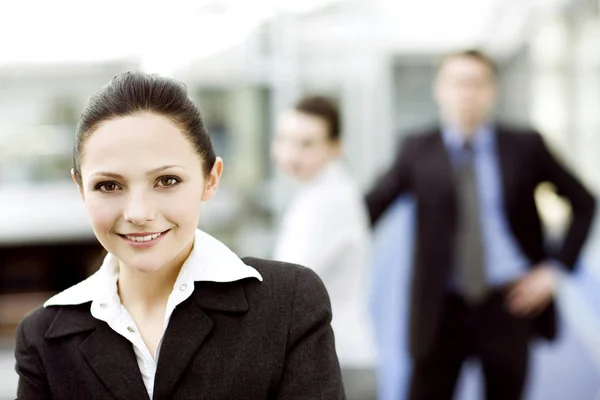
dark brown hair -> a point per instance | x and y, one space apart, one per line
324 108
474 54
133 93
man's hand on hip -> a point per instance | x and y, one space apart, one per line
532 293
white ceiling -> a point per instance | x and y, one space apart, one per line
172 32
428 26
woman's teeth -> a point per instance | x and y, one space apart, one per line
143 238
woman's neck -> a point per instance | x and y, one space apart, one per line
149 290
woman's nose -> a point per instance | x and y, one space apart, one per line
139 209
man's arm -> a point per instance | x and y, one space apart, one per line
583 203
533 293
393 183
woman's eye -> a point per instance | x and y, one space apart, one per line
168 181
107 187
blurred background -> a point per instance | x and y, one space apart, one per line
244 62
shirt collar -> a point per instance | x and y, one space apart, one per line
453 138
332 170
209 260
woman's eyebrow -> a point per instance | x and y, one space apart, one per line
151 172
107 174
164 167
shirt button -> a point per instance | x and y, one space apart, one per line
131 329
183 287
103 305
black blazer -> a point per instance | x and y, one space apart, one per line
242 340
422 168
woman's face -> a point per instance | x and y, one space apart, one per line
142 184
302 147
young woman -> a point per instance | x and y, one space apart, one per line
172 313
326 228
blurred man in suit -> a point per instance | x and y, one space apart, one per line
483 280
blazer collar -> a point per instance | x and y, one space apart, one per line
190 326
70 321
506 155
112 358
454 139
509 168
223 297
110 355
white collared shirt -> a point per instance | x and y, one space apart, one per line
326 228
209 260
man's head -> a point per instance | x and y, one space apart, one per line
307 138
465 88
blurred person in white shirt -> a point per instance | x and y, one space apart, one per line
326 228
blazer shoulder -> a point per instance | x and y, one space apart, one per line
418 140
421 135
55 321
279 271
521 137
519 131
285 278
35 323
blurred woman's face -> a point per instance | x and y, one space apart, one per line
302 147
142 184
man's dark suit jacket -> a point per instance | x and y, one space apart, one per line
423 169
241 340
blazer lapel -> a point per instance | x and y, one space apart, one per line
109 354
442 177
508 167
113 359
189 327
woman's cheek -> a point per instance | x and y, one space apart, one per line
103 213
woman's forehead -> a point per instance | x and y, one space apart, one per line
145 140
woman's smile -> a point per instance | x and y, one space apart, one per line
144 240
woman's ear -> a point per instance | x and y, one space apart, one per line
77 183
212 182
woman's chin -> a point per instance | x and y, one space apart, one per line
143 266
145 269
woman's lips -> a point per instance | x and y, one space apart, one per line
144 240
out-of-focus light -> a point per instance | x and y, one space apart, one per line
550 43
163 34
63 30
434 24
306 6
194 35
